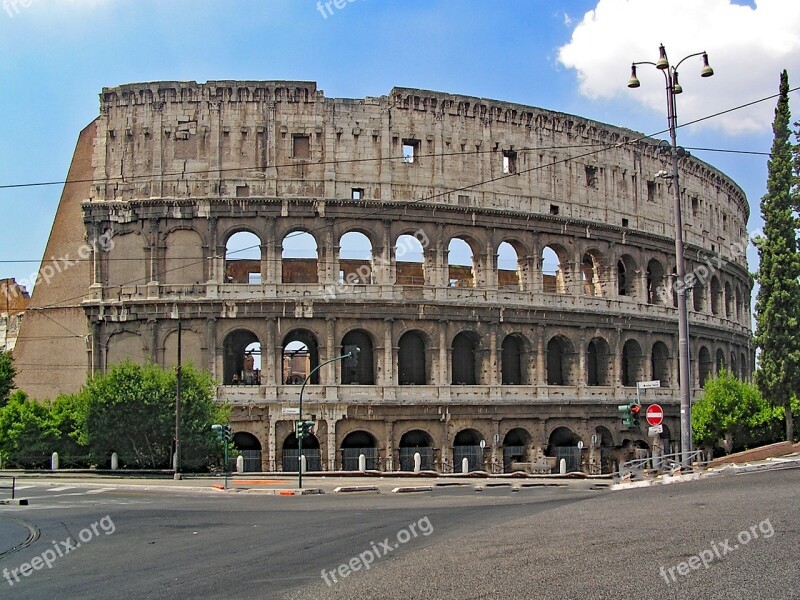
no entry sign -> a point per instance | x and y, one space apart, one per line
654 414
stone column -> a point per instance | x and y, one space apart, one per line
389 377
582 362
389 462
211 344
269 372
331 373
493 361
541 368
444 355
332 449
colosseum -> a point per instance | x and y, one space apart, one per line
502 274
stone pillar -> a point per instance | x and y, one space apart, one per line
444 355
493 360
272 444
582 361
269 367
497 455
389 377
389 462
211 344
617 373
331 373
541 368
332 449
152 268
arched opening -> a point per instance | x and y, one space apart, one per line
290 455
300 357
598 362
656 289
730 312
591 274
666 438
559 361
721 366
515 447
413 442
508 267
660 363
465 358
626 276
563 444
460 264
467 445
409 261
125 346
739 305
354 445
632 363
249 448
606 441
554 280
735 366
514 369
243 258
743 367
698 297
299 258
705 366
674 291
411 367
716 296
355 259
239 365
358 368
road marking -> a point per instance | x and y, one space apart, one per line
99 491
61 489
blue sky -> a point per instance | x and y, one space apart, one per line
574 57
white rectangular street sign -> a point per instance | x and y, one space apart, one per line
290 410
656 430
646 385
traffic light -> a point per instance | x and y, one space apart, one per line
630 414
223 432
303 429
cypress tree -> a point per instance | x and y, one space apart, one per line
778 300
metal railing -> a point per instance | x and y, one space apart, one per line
11 487
661 462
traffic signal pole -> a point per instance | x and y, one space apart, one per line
301 430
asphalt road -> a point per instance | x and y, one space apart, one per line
544 542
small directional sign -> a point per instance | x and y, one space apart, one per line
655 430
290 410
646 385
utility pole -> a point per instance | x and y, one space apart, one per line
178 409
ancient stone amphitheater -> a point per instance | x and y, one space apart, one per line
502 274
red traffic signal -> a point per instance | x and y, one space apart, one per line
635 408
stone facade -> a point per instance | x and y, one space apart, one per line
528 358
13 302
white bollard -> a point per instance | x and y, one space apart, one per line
417 462
362 463
240 464
54 461
114 461
562 466
303 463
464 465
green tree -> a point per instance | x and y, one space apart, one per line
778 300
733 411
131 411
7 374
28 435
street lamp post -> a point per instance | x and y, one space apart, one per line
300 416
674 88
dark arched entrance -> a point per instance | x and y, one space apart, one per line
467 445
249 448
563 443
515 447
355 444
412 442
291 453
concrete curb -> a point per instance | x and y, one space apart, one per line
356 488
412 489
18 501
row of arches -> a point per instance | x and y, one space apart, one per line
594 275
517 445
469 361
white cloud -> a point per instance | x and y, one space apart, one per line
747 47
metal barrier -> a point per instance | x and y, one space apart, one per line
661 462
12 487
407 458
